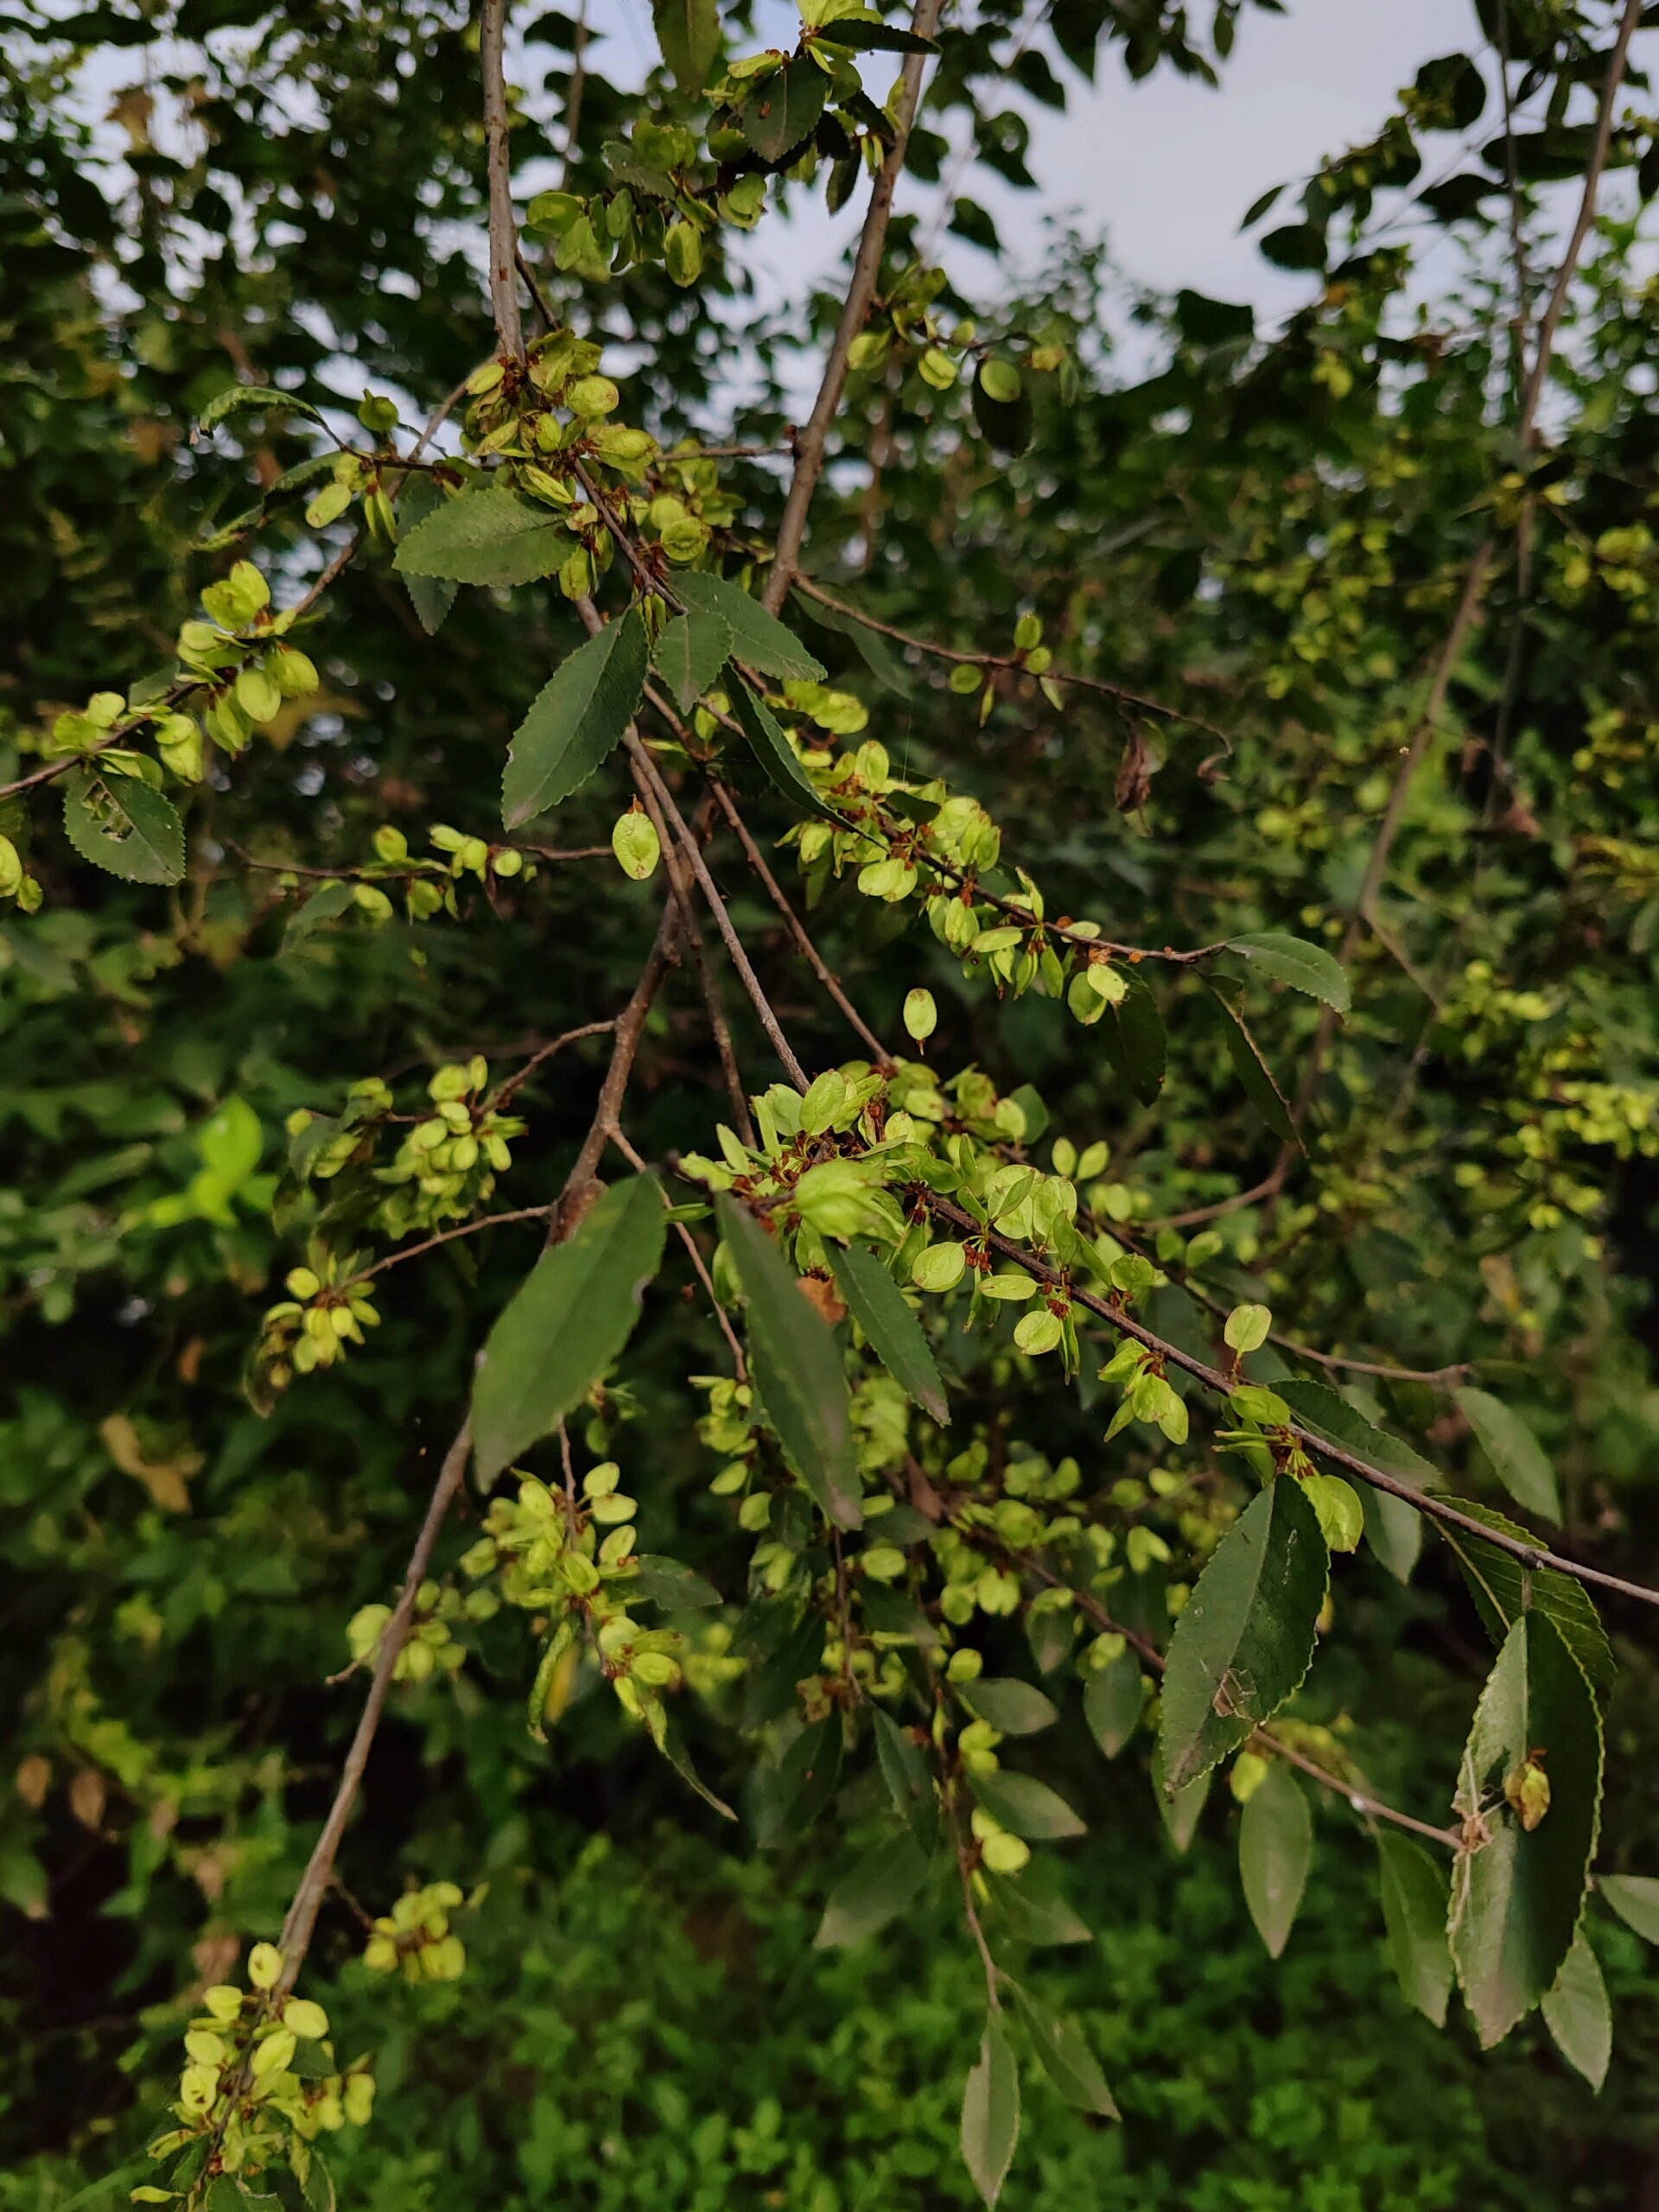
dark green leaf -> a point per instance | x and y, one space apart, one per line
1305 968
990 2112
486 535
319 2192
1393 1530
1181 1808
878 654
783 111
674 1750
1245 1638
1275 1842
1517 1896
122 826
1249 1065
773 749
1112 1700
803 1782
264 396
1133 1032
566 1324
882 1884
431 597
311 2062
1295 245
688 32
1327 1413
1062 2048
896 1337
798 1367
1413 1908
859 34
575 720
1635 1898
1578 2015
1013 1707
1004 424
759 639
327 904
1517 1458
670 1586
1502 1588
1037 1913
909 1779
1026 1807
690 654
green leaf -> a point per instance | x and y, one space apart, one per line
1037 1914
688 32
566 1324
1245 1638
486 535
1062 2048
1518 1460
798 1367
670 1586
1026 1807
1305 968
122 826
875 650
1502 1588
883 1883
1414 1909
1013 1707
690 654
759 639
1328 1414
1393 1530
869 35
327 904
1181 1808
311 2062
1112 1700
783 111
896 1336
909 1779
773 749
235 397
575 720
1515 1896
1133 1032
1275 1842
321 2195
431 597
1249 1065
673 1749
1635 1898
990 2112
1578 2015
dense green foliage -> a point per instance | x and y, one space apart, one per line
1241 812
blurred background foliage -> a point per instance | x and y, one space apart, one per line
1268 532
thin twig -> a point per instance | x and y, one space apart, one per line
448 1235
516 1082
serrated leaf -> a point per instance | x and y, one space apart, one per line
1037 1914
1578 2015
774 753
670 1586
869 35
431 597
1245 1638
486 535
575 720
990 2112
566 1324
909 1779
1012 1707
1026 1807
1249 1065
1306 968
1635 1898
882 1885
674 1750
798 1367
1276 1843
327 904
1517 1894
896 1336
875 650
1327 1413
1502 1588
1414 1909
1518 1460
688 32
759 639
236 397
1112 1698
1062 2049
1133 1032
783 111
122 826
690 654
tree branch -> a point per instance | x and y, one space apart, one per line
504 231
